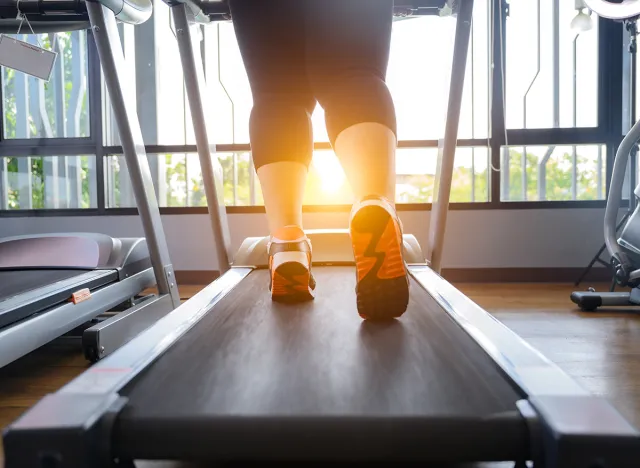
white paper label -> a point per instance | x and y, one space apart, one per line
27 58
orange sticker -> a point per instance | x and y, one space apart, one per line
80 296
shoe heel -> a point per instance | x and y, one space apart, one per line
290 277
383 286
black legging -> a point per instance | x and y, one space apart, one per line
297 52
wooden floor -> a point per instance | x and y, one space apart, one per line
601 351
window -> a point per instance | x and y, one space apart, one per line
59 108
556 149
155 83
554 173
178 179
551 72
48 182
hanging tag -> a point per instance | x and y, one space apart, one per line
27 58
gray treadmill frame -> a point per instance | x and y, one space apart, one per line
99 340
569 427
21 338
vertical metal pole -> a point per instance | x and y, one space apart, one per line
600 193
209 163
633 31
103 23
73 113
58 82
505 166
252 182
556 63
50 177
235 178
23 177
574 120
4 183
43 129
146 69
187 188
25 186
437 226
21 89
542 164
523 176
124 179
97 117
499 168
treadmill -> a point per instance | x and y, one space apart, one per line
230 376
88 284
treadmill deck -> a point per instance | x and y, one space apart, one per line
253 371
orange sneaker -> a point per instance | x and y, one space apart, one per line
290 266
382 288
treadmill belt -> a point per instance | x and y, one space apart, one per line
14 282
27 292
253 372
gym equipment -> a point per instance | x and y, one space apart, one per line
232 376
624 249
629 89
56 284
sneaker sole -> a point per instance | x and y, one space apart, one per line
290 279
383 286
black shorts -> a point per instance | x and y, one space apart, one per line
300 52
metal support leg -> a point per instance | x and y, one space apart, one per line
211 169
111 56
447 150
596 258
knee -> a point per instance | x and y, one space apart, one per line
281 129
353 98
282 103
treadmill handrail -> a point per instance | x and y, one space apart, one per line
130 11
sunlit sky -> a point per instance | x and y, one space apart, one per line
418 76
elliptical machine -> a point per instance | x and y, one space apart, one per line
625 249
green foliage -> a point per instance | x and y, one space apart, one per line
243 187
11 113
558 177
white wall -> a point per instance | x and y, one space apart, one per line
475 239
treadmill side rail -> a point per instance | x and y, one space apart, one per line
579 429
68 423
585 431
115 371
34 441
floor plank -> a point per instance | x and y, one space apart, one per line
601 351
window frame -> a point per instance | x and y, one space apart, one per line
613 68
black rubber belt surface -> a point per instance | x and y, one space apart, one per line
257 379
16 282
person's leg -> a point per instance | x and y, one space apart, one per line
348 52
271 39
348 44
